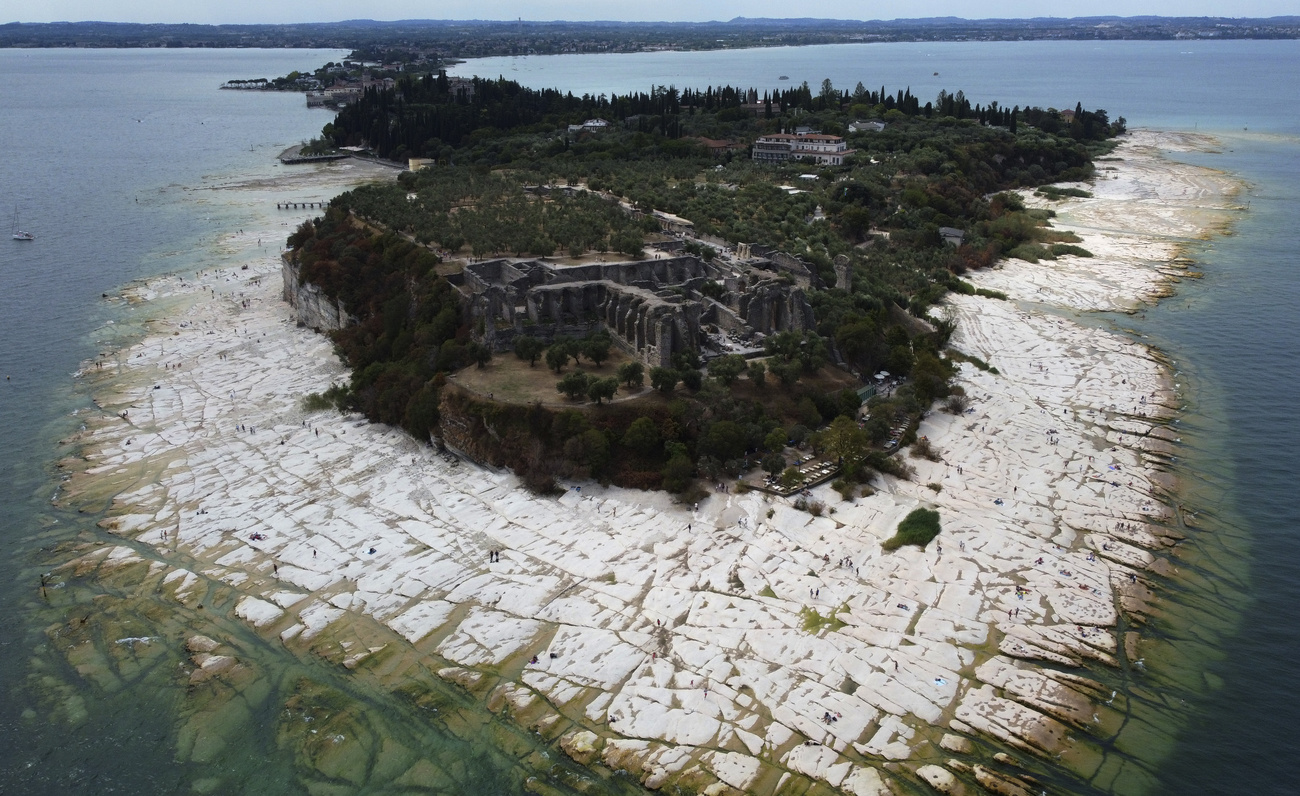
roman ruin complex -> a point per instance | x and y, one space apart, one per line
652 308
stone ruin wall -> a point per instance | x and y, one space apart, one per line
634 301
641 323
631 300
803 274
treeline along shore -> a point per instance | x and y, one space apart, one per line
803 282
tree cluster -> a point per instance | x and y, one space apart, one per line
409 331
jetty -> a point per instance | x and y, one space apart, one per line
301 205
293 156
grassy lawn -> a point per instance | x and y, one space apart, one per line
509 379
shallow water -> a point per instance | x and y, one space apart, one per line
104 180
1232 334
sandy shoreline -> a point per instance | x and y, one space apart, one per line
690 654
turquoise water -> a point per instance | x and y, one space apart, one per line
102 146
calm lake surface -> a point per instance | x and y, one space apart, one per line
102 146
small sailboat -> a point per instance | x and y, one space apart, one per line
18 234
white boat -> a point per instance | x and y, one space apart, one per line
18 234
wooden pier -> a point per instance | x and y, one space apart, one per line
301 205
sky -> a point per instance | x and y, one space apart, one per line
261 11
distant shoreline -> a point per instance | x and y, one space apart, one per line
520 37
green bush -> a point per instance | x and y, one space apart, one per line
918 528
1029 252
574 385
677 474
336 397
692 380
1059 249
663 379
632 374
315 402
529 349
1052 192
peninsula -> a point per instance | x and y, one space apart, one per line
824 488
737 645
776 254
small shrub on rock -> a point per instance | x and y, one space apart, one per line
918 528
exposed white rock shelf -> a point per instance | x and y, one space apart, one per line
638 625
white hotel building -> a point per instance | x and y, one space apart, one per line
825 150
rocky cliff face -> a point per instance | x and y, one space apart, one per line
500 436
312 307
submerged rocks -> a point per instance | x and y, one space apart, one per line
941 779
955 743
583 746
999 784
200 644
210 666
465 678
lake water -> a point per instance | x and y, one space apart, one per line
103 146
